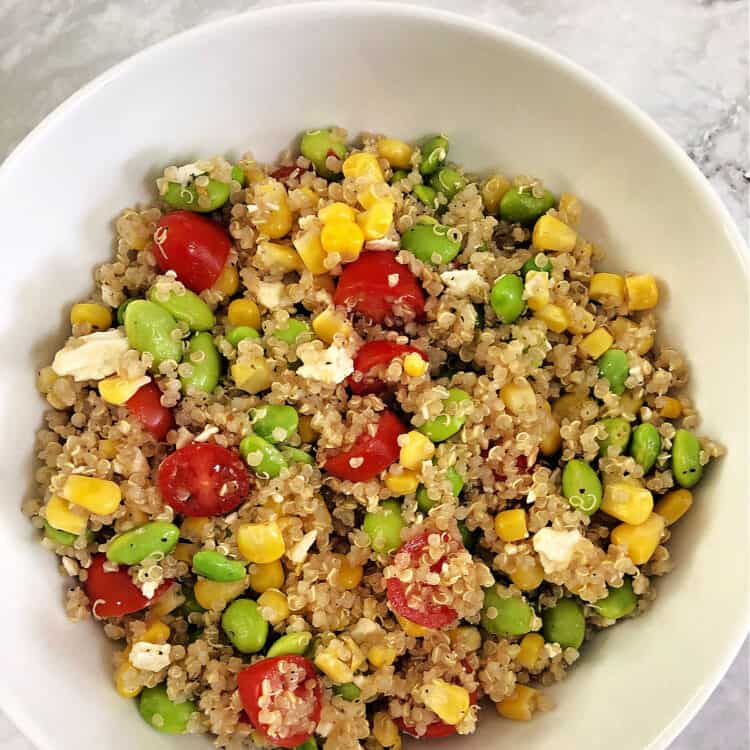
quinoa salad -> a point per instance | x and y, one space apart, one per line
358 445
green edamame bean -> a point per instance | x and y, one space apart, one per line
149 329
186 197
238 175
291 643
645 446
384 526
58 536
217 567
469 538
309 744
457 484
132 547
434 151
204 358
505 616
506 298
522 207
244 626
296 456
121 310
531 265
430 243
240 333
262 457
444 425
686 464
316 144
398 175
448 181
291 332
581 486
426 194
618 603
348 691
187 307
564 624
274 422
618 435
164 714
613 365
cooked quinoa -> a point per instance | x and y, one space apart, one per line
377 446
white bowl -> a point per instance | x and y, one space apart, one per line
253 81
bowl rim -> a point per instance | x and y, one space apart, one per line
20 716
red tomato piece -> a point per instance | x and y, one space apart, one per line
204 479
273 680
431 614
285 172
377 451
192 246
372 354
113 594
145 406
365 286
436 729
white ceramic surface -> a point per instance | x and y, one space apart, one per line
646 204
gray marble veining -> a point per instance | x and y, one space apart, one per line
685 62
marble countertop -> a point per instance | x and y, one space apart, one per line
684 62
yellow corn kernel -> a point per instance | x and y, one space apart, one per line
196 528
643 292
627 502
493 190
631 402
528 576
185 551
569 207
552 234
362 164
60 515
607 287
108 448
244 312
311 251
274 607
520 705
381 656
376 220
156 632
581 321
519 397
215 595
569 406
264 576
414 365
402 484
228 282
328 324
334 668
375 192
466 637
412 628
395 152
254 376
348 576
260 542
385 730
167 602
671 408
344 238
536 289
275 257
100 496
531 648
337 212
125 675
640 541
554 316
415 449
510 525
278 220
305 429
97 316
450 702
596 343
551 439
116 390
673 506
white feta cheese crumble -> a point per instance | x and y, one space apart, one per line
332 365
463 282
298 553
91 357
151 657
187 173
364 629
555 548
270 294
536 284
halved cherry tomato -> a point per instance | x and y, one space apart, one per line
374 283
436 729
145 406
272 676
192 246
376 451
431 614
372 354
113 594
204 479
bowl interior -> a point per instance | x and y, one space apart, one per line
506 105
